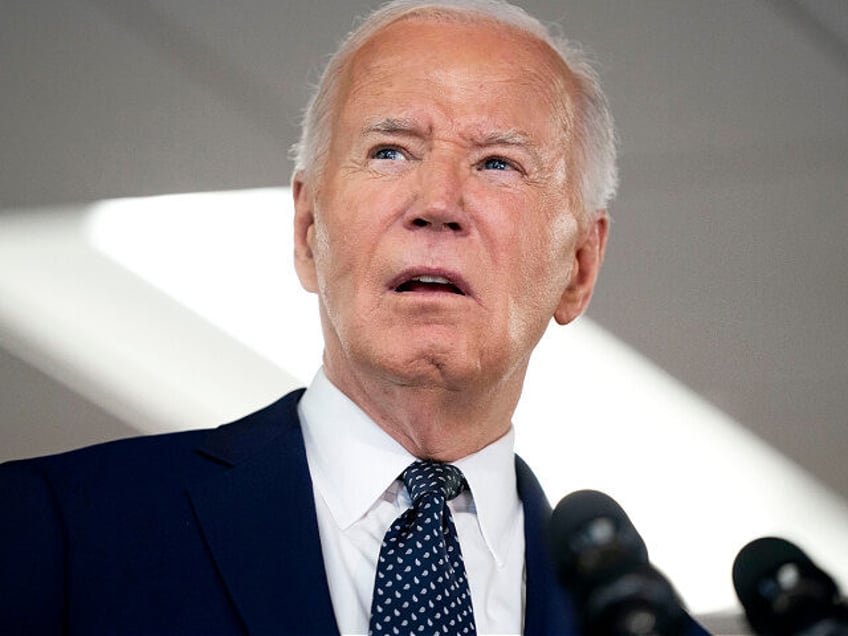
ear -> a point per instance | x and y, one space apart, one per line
304 232
588 256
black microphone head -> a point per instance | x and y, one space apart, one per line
603 562
781 589
592 539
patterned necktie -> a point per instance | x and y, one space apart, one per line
421 587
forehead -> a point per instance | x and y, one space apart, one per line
477 72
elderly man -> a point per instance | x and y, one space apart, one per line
450 195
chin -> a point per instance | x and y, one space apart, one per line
442 367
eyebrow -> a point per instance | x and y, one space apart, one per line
393 126
504 138
510 138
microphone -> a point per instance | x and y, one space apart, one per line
784 593
603 561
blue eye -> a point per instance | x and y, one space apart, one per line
496 163
388 154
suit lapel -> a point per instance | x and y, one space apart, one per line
548 607
258 518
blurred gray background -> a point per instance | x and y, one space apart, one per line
727 263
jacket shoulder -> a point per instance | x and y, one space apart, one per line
161 451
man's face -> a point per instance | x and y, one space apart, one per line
444 232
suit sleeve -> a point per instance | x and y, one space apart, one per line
31 553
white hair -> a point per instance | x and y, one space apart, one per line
593 137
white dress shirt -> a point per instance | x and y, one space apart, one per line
355 466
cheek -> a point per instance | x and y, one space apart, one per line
320 239
321 250
331 263
343 248
543 257
563 244
547 251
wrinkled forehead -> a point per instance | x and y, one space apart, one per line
419 47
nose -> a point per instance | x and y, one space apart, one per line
430 220
440 201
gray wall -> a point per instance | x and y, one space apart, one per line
727 262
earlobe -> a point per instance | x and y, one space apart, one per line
588 257
304 233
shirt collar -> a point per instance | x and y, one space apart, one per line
353 462
490 473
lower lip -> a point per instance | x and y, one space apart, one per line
429 295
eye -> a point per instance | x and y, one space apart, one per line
388 153
496 163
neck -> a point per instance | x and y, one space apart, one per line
431 421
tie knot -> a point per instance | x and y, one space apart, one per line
423 477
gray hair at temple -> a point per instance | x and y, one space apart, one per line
594 135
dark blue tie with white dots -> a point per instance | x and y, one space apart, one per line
421 585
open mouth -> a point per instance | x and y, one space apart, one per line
429 284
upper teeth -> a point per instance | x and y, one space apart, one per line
432 279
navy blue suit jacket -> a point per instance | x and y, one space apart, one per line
193 533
